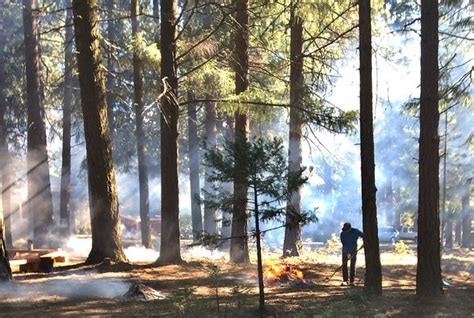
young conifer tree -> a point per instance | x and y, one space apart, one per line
262 162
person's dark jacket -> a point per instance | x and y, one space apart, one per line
349 240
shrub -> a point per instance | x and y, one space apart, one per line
402 248
333 245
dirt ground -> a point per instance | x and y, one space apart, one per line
203 288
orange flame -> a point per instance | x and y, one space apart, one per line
274 271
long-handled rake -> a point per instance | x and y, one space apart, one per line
339 268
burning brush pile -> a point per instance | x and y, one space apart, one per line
275 272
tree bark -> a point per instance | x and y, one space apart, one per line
156 17
239 241
261 290
140 134
210 224
458 229
390 211
292 242
64 208
448 234
396 214
193 139
4 152
466 216
5 269
210 213
169 247
105 219
329 186
109 77
228 133
428 274
444 214
6 188
156 9
373 272
39 203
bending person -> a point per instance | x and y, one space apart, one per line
349 238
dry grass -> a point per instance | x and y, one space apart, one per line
191 291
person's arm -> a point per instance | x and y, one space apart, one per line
361 235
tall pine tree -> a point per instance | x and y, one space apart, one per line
64 205
105 219
428 273
39 203
169 247
140 134
194 160
373 273
239 243
292 243
5 161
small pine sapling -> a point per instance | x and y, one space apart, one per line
264 165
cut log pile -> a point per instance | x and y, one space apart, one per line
35 260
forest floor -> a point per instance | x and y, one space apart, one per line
189 290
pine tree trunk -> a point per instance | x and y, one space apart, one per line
428 274
466 217
169 247
389 212
373 268
292 242
261 289
328 187
109 78
458 229
64 209
444 213
140 134
105 219
239 252
448 234
210 224
228 133
5 231
4 152
5 269
7 185
193 138
396 212
156 9
156 19
39 203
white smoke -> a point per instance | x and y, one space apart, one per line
202 253
78 248
141 254
90 285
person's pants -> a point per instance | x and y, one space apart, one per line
345 259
